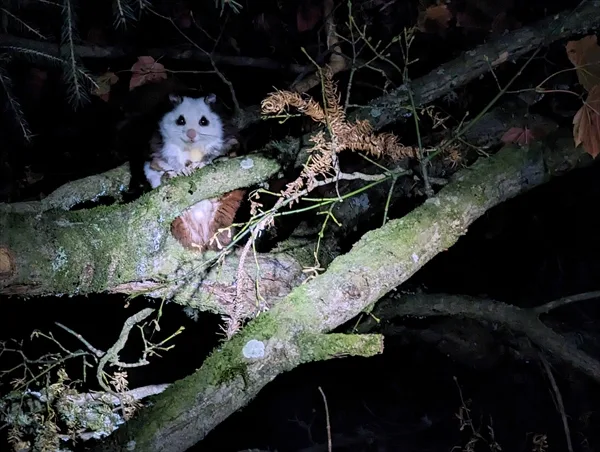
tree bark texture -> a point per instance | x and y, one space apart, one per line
45 250
472 64
287 335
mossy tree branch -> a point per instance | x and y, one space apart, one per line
110 184
380 261
115 248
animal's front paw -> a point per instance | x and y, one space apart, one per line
188 170
167 175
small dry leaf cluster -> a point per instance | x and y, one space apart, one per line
145 70
119 380
585 56
342 135
436 16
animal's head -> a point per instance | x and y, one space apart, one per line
192 121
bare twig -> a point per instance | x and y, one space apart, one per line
91 348
112 354
472 65
329 445
208 55
545 308
559 401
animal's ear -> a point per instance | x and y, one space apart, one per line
210 98
175 99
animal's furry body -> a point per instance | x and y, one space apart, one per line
189 136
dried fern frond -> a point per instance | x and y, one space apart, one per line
360 137
336 116
276 103
357 136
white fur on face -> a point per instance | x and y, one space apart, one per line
202 128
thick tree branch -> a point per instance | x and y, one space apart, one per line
105 248
380 261
385 110
524 321
111 184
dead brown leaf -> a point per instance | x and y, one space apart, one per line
501 59
586 123
434 18
585 56
146 70
520 135
103 85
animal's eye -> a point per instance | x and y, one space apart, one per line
180 121
203 121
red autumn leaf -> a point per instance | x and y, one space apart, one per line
586 123
434 18
308 15
519 135
585 56
104 83
146 70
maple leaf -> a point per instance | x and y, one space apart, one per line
519 135
585 56
434 18
103 85
146 70
586 123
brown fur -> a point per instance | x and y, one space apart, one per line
196 235
156 143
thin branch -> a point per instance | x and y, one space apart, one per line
175 53
545 308
208 55
559 401
524 321
329 445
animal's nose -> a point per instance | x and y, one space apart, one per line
191 133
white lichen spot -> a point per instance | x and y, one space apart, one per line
254 349
375 112
63 223
60 260
441 71
247 163
130 445
415 258
435 201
